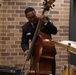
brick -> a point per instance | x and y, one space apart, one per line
32 4
17 42
35 0
10 42
14 23
3 19
11 3
23 7
14 46
10 19
2 34
14 38
3 50
25 1
10 34
10 50
19 11
14 15
5 54
5 30
15 7
10 27
20 3
6 8
18 27
10 58
4 3
55 19
10 11
22 15
54 12
6 0
2 42
14 54
21 53
5 38
6 15
66 1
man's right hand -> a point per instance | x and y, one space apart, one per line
26 52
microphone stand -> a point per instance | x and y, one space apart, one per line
68 58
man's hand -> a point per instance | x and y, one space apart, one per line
43 18
26 52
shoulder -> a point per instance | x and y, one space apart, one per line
49 20
25 26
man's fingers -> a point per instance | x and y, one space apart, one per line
25 53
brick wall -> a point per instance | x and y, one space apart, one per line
12 18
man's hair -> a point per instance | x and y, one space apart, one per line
28 10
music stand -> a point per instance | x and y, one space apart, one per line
69 44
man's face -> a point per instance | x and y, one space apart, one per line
31 16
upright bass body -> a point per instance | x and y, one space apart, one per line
42 48
43 54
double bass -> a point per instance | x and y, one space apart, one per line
42 48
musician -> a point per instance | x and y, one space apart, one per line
29 27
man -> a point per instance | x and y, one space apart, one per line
28 29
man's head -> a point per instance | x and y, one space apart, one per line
30 14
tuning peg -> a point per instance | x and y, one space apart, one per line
53 5
44 2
